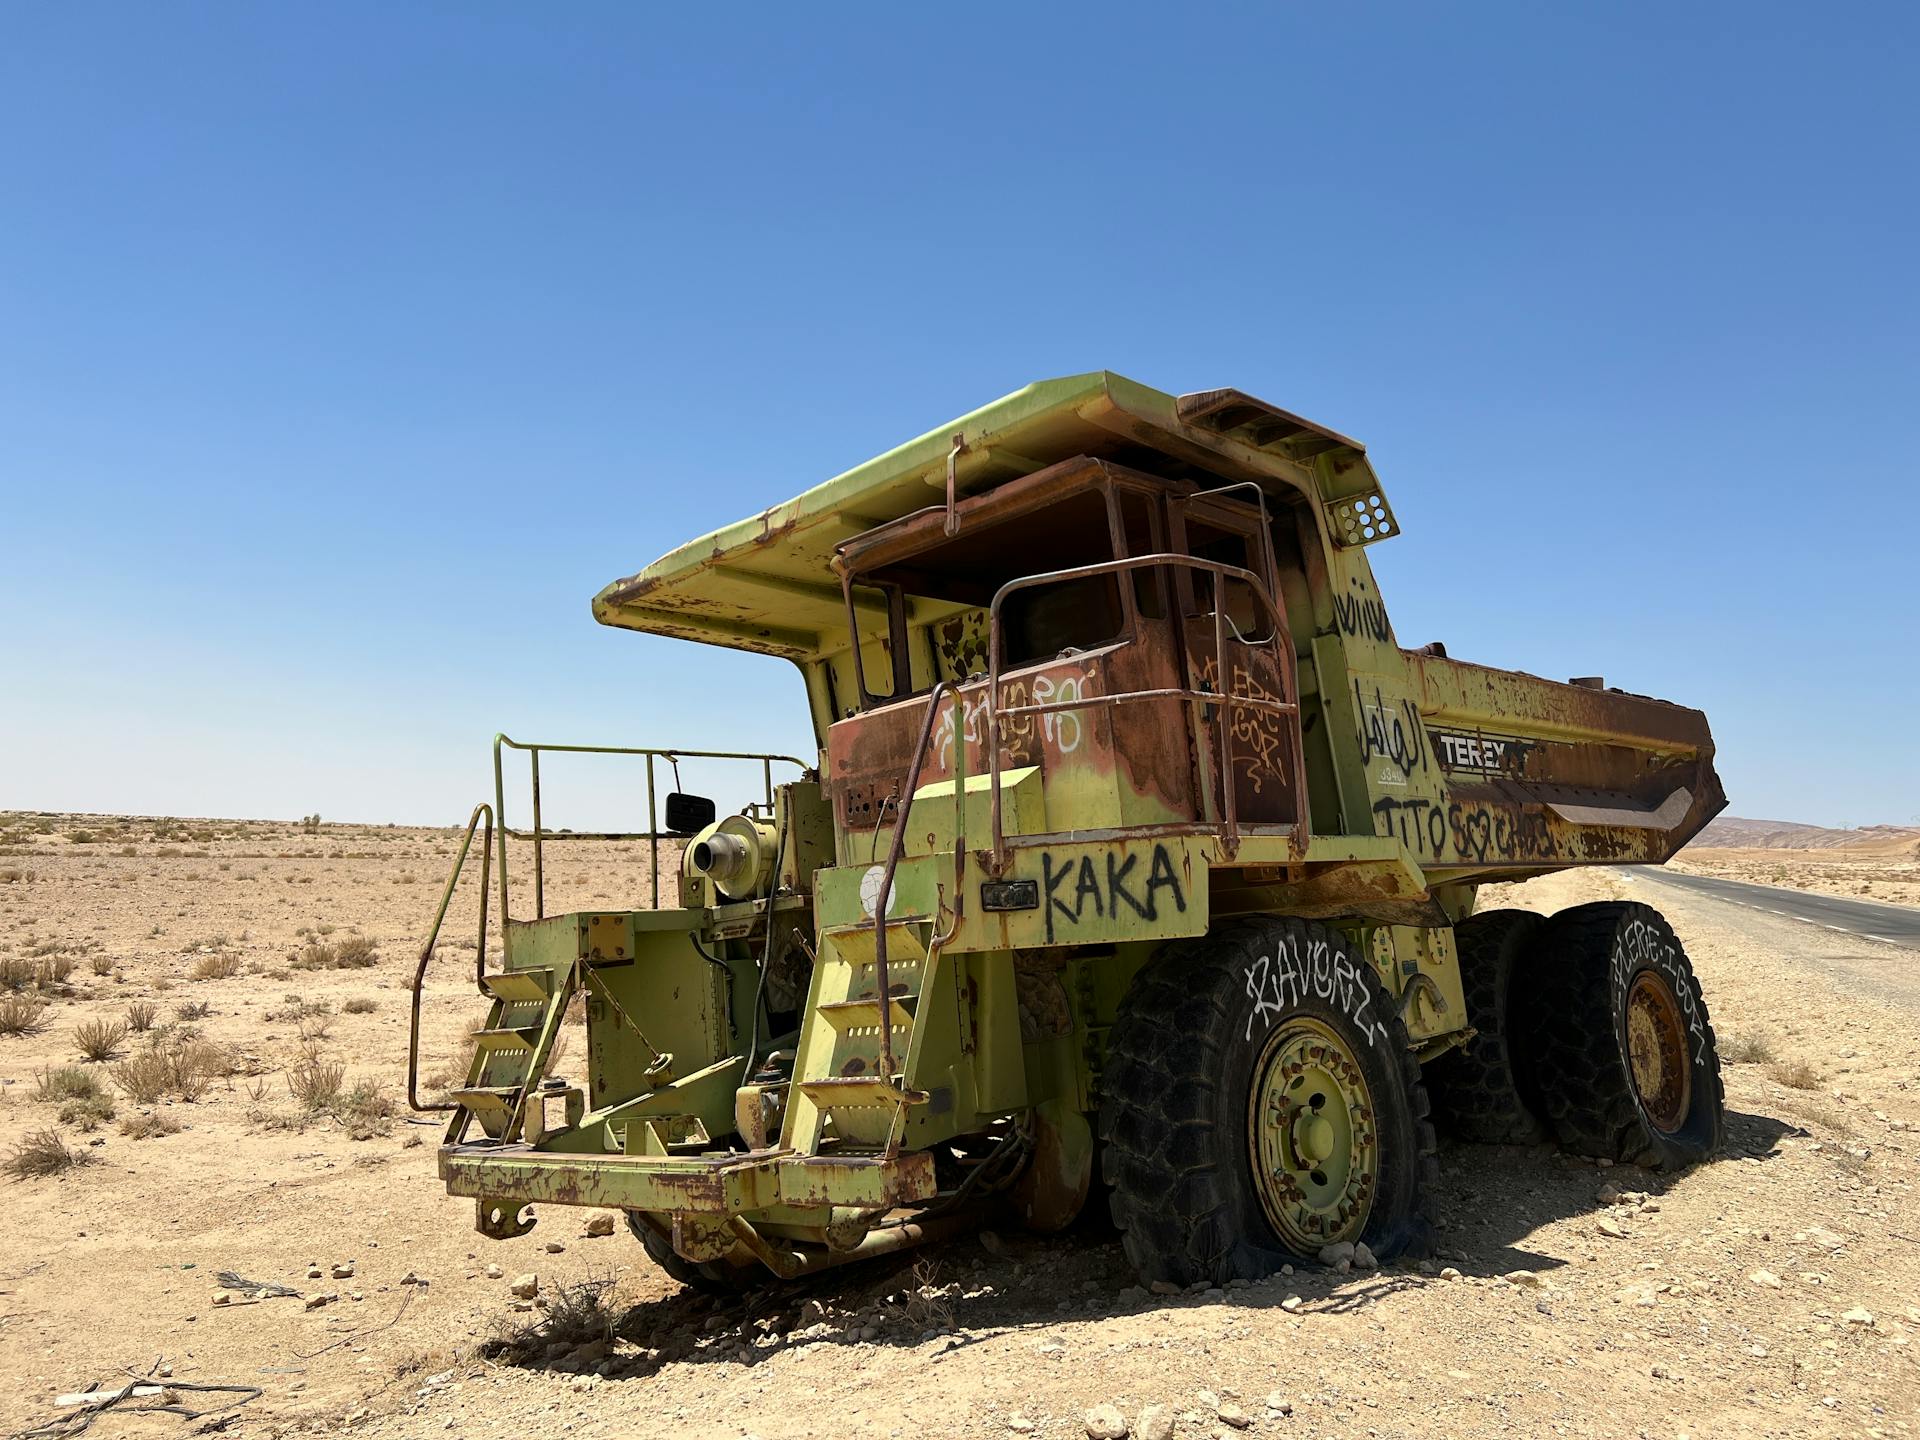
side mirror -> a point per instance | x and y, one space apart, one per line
688 814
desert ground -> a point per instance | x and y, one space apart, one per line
1880 862
251 1118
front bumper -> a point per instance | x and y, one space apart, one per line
726 1185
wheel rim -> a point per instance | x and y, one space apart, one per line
1657 1051
1313 1137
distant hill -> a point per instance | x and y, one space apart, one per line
1730 832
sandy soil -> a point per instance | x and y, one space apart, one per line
1535 1319
1888 874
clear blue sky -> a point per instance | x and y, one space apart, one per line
346 350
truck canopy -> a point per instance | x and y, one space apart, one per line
766 583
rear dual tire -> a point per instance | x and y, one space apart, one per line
1591 1031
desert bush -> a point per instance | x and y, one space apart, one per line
1795 1074
140 1017
82 837
356 952
1747 1048
100 1039
221 965
67 1082
16 972
314 1080
316 956
294 1008
42 1153
53 972
193 1010
20 1015
316 1028
183 1070
365 1110
310 824
87 1114
361 1005
149 1125
101 963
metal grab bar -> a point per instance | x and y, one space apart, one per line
653 834
1227 700
482 810
883 895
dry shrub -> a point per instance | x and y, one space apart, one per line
149 1125
183 1070
222 965
193 1010
86 1114
361 1005
102 964
100 1039
577 1313
317 956
1795 1074
68 1082
365 1110
316 1028
356 952
1747 1048
21 1016
140 1017
294 1008
16 972
43 1153
53 972
314 1080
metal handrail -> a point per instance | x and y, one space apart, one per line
1230 827
653 835
480 811
883 894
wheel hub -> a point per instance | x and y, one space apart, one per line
1313 1139
1657 1061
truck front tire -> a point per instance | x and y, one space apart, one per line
1623 1050
1259 1102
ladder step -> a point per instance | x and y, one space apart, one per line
519 987
507 1037
839 1091
488 1099
845 1015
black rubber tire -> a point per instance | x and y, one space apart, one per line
708 1278
1483 1090
1586 961
1179 1069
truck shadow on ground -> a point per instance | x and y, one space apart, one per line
1490 1203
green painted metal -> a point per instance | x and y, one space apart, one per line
964 883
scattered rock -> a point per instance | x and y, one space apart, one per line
1858 1316
494 1272
555 1247
1607 1225
1104 1422
599 1225
1155 1423
314 1272
1522 1277
1447 1272
1232 1414
1766 1279
1332 1255
314 1302
525 1287
1292 1304
343 1271
223 1297
1164 1287
411 1278
1019 1424
1363 1258
1279 1403
585 1382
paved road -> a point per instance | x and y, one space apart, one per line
1868 919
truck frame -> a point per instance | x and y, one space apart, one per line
1135 854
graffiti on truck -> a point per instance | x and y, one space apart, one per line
1061 731
1466 830
1311 969
1078 888
1393 734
